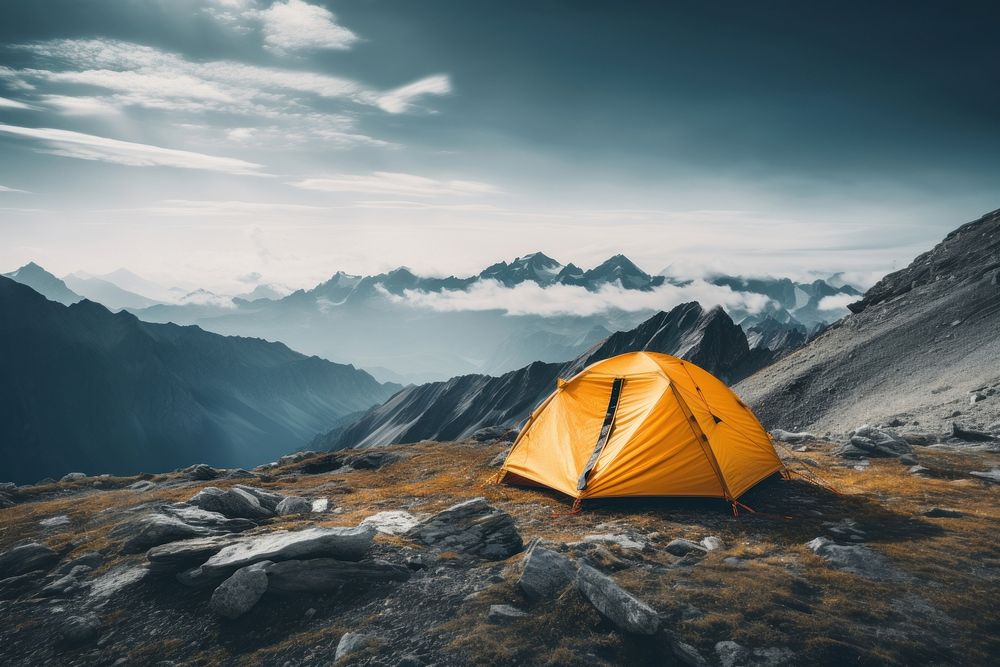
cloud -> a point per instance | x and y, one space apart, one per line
4 188
292 25
529 298
91 147
252 277
401 99
80 106
206 208
836 301
135 75
7 103
394 183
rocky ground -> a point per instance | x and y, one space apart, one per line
410 556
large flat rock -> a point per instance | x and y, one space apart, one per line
342 543
330 574
472 527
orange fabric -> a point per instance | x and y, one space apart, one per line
678 431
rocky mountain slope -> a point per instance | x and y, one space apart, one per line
457 408
409 556
921 348
84 389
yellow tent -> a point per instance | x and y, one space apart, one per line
642 424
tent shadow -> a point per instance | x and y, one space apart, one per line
790 511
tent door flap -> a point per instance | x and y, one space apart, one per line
609 419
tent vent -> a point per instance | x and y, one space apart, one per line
609 418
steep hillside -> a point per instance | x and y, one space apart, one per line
460 406
84 389
921 346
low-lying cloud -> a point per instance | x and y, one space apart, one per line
532 299
836 302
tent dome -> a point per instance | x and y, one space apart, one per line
642 424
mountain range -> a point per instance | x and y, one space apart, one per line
82 388
457 408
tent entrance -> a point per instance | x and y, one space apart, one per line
609 419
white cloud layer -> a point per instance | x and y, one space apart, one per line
4 188
394 183
292 25
82 146
7 103
836 301
529 298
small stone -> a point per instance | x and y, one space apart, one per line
372 460
623 541
72 476
239 473
919 470
142 485
310 612
202 472
731 654
712 543
942 513
733 561
621 608
320 505
908 460
352 642
501 614
687 655
240 592
55 522
681 547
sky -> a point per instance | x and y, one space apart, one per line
224 142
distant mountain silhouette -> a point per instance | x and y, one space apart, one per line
456 408
85 389
44 283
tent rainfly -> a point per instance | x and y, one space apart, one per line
642 424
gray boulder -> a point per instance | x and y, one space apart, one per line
196 516
989 475
342 543
67 585
854 558
268 499
545 573
393 522
329 574
79 629
293 505
185 554
232 503
711 543
72 477
27 558
202 472
239 473
372 460
682 547
142 485
625 611
872 441
155 529
472 527
12 587
116 580
788 436
240 592
731 654
352 642
502 614
91 559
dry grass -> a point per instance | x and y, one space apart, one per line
784 596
